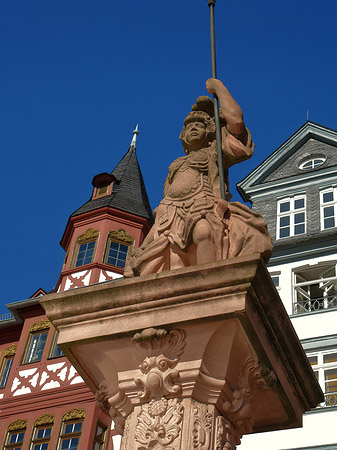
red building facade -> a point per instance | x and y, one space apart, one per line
44 403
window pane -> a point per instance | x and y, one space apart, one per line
85 253
328 211
299 203
6 367
284 221
36 346
327 197
284 232
299 218
299 229
329 358
313 360
117 254
284 207
329 223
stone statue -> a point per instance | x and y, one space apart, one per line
193 224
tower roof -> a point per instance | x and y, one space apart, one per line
128 192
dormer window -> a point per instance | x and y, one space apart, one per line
102 183
291 216
118 245
328 208
312 163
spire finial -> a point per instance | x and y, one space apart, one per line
134 137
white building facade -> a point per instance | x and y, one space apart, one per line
295 190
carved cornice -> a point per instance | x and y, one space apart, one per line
11 350
46 419
20 424
159 351
89 235
74 414
158 424
121 236
40 325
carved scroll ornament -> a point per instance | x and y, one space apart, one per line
158 424
40 325
46 419
159 351
74 414
121 236
11 350
20 424
239 408
89 235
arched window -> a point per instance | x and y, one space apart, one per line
15 435
85 247
118 244
6 364
71 429
42 430
37 338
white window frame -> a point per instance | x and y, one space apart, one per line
291 213
332 203
303 302
319 370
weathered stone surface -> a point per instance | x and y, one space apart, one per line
193 224
188 359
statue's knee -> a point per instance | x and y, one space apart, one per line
202 232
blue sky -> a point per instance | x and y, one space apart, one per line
76 77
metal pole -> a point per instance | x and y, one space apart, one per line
211 4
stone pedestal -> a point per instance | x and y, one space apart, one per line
188 359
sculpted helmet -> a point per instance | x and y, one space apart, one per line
202 111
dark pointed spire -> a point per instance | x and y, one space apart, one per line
128 192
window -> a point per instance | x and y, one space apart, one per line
328 208
117 248
36 341
55 350
312 163
276 279
15 435
85 248
42 432
6 364
71 430
100 436
315 288
291 216
324 365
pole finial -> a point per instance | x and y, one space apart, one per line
134 137
211 2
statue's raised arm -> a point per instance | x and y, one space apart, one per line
193 224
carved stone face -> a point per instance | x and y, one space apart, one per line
195 135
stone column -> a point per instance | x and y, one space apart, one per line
188 359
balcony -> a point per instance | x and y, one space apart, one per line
305 306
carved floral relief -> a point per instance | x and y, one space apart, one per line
159 424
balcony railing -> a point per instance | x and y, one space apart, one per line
330 399
315 304
5 316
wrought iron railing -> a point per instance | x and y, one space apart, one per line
6 316
315 304
330 399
